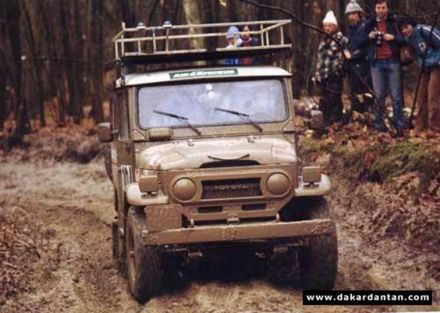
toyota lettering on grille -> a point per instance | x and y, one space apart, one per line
231 188
228 187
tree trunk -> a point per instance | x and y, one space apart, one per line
234 14
13 23
71 45
192 15
36 65
97 31
3 80
77 64
300 35
56 77
127 13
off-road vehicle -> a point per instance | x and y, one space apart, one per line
204 158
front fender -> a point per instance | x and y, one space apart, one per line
137 198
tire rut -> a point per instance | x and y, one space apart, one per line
74 204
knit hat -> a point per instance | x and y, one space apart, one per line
232 32
403 21
353 7
330 18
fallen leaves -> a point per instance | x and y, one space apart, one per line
17 251
393 186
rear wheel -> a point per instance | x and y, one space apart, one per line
319 260
144 264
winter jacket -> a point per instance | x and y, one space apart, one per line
391 28
233 61
330 59
422 38
358 42
248 42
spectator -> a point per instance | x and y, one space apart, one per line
247 41
425 41
384 58
234 41
359 69
330 71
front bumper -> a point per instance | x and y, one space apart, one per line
239 232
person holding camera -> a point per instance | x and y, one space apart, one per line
425 41
384 59
358 70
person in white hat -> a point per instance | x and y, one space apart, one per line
358 70
330 70
234 41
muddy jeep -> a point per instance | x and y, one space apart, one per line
205 159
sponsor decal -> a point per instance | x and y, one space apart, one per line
204 73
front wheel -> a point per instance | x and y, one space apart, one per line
145 269
319 260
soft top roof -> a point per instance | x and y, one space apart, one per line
203 73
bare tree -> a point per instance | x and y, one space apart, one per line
192 15
12 15
97 37
35 61
3 81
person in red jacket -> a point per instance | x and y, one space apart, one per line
247 41
385 41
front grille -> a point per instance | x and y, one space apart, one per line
231 188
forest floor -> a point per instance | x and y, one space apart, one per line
56 210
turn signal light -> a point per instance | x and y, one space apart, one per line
149 183
311 174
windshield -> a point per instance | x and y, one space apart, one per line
207 104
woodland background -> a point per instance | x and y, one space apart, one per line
54 53
56 201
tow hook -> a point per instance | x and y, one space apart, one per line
233 220
195 255
280 249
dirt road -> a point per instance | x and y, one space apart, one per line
68 208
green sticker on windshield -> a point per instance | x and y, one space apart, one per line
204 73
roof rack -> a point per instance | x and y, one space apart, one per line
182 43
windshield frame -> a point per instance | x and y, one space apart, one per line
280 79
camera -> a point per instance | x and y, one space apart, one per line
379 38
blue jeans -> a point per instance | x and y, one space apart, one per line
387 78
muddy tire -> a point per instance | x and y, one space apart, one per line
115 200
284 268
118 250
319 261
108 161
115 243
144 264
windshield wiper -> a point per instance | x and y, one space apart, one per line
243 116
181 118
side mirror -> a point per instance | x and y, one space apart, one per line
104 132
316 120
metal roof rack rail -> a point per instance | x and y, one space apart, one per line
186 43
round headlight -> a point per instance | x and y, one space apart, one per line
184 189
277 184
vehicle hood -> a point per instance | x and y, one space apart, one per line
193 153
